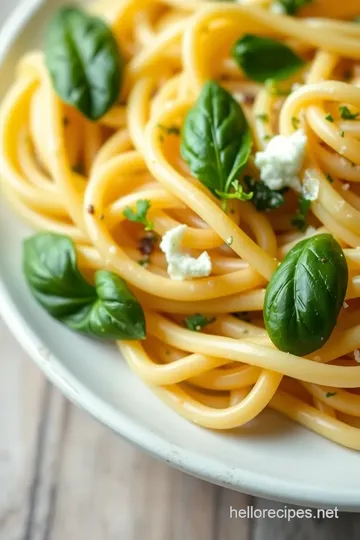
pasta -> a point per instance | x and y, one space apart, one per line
76 177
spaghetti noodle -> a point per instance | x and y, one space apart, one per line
226 374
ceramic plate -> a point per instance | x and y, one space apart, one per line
271 457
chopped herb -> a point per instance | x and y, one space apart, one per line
295 122
169 130
291 7
90 209
142 207
263 117
329 178
346 114
330 394
329 118
230 240
266 138
342 134
264 198
101 217
197 322
300 220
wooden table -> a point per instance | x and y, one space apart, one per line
63 476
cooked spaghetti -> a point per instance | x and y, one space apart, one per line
207 353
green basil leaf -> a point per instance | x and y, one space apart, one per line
264 198
216 139
305 295
263 59
115 315
52 274
291 7
84 61
107 311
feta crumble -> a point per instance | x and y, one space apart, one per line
311 186
181 265
357 355
277 8
281 161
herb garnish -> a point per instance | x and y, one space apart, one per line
216 141
264 198
263 58
140 215
346 114
197 322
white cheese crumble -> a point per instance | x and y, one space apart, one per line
281 161
357 355
345 305
277 8
345 187
311 186
181 265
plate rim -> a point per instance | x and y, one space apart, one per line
190 462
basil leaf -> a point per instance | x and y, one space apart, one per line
264 198
305 295
262 58
216 139
291 7
115 314
84 61
107 311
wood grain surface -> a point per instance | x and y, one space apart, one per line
63 476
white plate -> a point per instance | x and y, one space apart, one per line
271 458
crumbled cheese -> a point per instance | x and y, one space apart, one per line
112 249
281 161
357 355
311 186
345 187
277 8
345 305
182 265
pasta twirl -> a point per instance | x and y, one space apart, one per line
72 176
